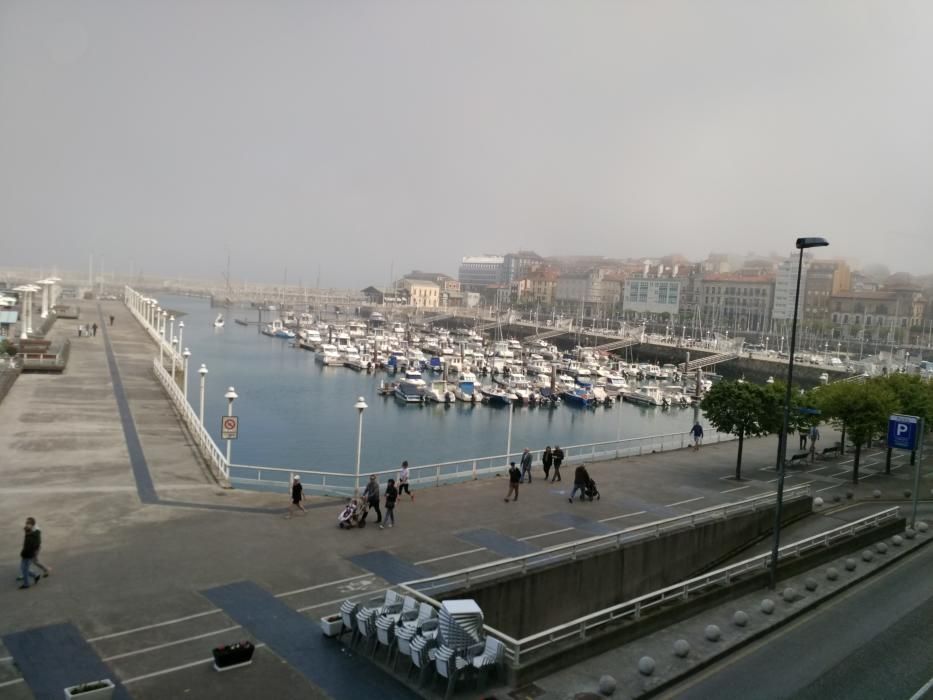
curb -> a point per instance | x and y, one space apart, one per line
794 615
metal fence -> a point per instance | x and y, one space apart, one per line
341 483
584 627
205 443
465 578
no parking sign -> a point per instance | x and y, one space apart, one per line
229 425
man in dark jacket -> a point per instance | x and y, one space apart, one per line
297 496
558 458
547 459
526 464
581 478
371 494
31 544
515 478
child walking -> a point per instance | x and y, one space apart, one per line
391 497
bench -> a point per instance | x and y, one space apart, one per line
834 451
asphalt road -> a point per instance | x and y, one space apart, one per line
874 642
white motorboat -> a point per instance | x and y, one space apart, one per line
440 392
328 355
466 387
647 395
219 321
411 389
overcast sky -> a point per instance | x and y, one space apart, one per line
349 134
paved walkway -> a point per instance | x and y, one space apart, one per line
127 557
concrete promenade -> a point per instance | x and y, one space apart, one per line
136 529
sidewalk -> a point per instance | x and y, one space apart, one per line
121 564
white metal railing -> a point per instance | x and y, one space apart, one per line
455 471
215 458
583 627
465 578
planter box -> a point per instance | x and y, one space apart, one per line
102 693
332 625
233 656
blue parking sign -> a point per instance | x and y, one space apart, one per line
902 432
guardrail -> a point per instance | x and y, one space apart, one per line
464 578
205 443
456 471
583 627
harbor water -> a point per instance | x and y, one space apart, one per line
295 413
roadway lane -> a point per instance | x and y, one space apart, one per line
871 643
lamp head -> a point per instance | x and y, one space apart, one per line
186 354
231 394
811 242
181 324
203 370
360 404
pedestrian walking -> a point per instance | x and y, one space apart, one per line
803 438
111 319
515 478
580 479
814 438
297 497
526 464
371 494
697 432
547 459
94 328
391 497
558 459
80 330
403 481
31 543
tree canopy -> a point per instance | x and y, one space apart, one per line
743 410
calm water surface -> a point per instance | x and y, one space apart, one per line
296 413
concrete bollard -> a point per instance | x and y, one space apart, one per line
910 533
712 633
867 555
607 684
817 502
832 573
881 548
681 648
836 498
646 665
876 493
811 584
789 594
740 618
851 564
767 606
897 540
907 493
922 526
849 495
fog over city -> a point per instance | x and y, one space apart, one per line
351 136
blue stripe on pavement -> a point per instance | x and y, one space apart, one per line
326 662
56 657
497 542
389 567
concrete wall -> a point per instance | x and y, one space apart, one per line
550 595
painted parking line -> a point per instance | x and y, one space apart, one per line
624 515
175 621
834 486
451 556
173 669
737 488
811 471
545 534
689 500
165 645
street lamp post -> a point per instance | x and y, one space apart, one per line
802 244
181 334
174 355
203 372
782 345
231 396
508 439
184 373
360 406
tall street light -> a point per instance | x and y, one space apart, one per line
203 372
802 244
508 442
360 406
184 373
181 334
174 355
231 396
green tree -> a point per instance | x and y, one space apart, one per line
860 410
914 398
743 410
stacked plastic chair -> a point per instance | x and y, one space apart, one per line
387 623
348 611
407 630
461 625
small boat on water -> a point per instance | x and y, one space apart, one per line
240 321
219 321
497 396
466 387
648 395
440 392
328 355
578 397
277 329
412 388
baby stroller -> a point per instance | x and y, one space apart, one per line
591 491
352 514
